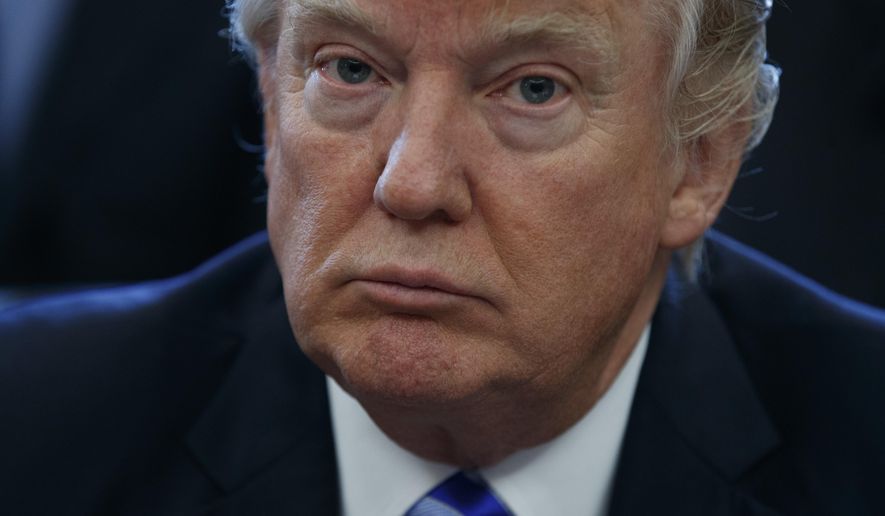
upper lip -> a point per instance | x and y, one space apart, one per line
416 278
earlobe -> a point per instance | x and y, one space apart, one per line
709 166
686 221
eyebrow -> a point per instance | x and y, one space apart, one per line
577 29
303 12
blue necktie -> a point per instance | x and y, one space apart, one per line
462 494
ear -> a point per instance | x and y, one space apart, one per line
708 166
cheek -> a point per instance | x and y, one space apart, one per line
319 184
580 211
337 110
578 235
320 176
533 134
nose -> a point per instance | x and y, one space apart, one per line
424 176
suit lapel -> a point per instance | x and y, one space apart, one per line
696 425
266 438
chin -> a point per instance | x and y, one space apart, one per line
403 360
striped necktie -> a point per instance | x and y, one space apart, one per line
462 494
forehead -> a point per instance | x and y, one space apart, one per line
591 25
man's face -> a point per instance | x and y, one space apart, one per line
466 197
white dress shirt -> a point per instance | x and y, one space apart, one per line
572 474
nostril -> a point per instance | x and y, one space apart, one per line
406 197
422 180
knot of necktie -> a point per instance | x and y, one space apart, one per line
462 494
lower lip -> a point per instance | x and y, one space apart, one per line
409 299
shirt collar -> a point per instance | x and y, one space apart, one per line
378 478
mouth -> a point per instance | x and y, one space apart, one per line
414 291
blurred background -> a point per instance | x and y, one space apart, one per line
127 141
129 132
813 194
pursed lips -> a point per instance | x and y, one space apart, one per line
414 290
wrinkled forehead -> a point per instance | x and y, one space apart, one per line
587 25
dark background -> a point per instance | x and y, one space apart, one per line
137 162
821 190
139 159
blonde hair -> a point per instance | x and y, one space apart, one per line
718 74
251 21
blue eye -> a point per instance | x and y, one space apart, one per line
537 90
353 71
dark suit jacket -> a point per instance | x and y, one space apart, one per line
761 393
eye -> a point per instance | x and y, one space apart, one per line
535 89
349 70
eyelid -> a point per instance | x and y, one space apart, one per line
324 56
514 75
332 71
520 106
515 85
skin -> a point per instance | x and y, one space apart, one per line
473 268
